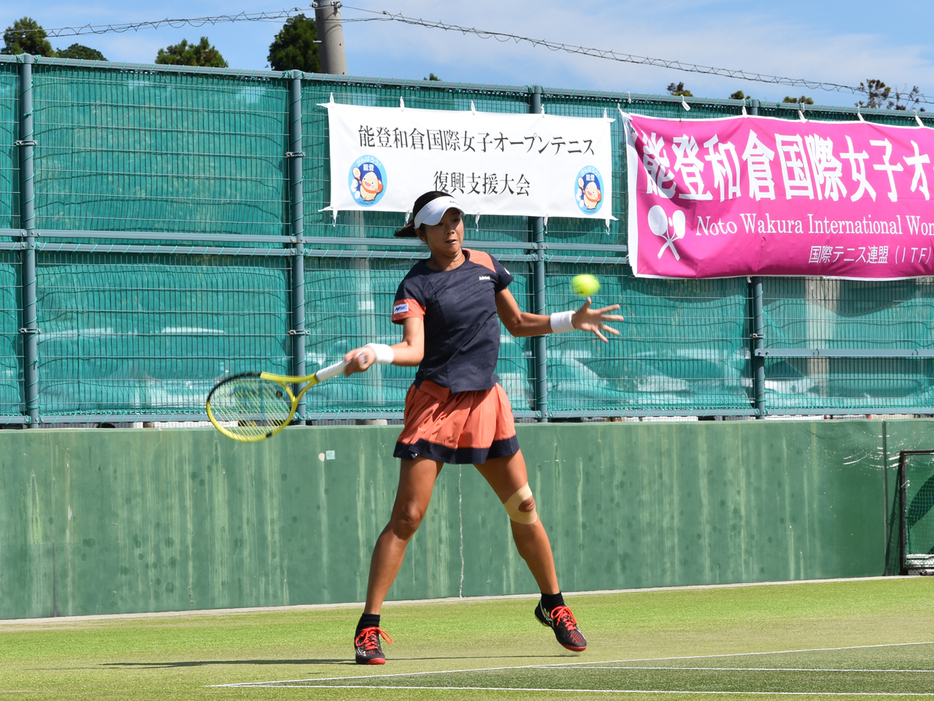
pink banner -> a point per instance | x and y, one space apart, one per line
761 196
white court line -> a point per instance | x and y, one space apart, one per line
611 691
286 682
752 654
769 669
456 600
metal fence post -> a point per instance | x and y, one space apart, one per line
30 329
540 352
758 362
296 156
758 328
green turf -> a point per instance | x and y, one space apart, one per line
872 637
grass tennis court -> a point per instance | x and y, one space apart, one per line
839 639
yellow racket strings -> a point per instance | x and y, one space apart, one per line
251 407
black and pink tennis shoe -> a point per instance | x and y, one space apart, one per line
562 622
368 648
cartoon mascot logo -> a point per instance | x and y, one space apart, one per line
589 190
367 180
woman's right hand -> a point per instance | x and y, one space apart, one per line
359 360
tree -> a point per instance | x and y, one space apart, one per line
880 95
911 99
185 54
803 100
26 37
431 77
82 52
295 47
876 91
679 90
740 95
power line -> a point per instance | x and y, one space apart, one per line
175 23
384 16
611 55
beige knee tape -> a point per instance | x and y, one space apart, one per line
512 506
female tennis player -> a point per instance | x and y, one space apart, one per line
450 307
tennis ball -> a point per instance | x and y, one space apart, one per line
585 285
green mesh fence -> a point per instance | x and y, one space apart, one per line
9 153
11 347
682 348
172 247
348 304
850 346
916 479
127 335
137 150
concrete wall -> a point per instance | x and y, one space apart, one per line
111 521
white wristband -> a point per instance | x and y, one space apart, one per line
384 354
562 322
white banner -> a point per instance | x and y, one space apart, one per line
512 164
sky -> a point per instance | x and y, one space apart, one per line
843 42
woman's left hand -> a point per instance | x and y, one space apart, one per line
594 320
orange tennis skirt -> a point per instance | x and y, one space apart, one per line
457 428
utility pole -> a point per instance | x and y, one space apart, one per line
331 36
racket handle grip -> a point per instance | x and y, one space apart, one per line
331 371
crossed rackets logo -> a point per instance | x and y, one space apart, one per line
669 229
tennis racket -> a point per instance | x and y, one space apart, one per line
253 406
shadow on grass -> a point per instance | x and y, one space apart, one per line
342 661
208 663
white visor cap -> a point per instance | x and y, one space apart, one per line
432 212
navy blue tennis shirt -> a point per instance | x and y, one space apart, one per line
458 308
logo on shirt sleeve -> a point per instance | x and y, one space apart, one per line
400 308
